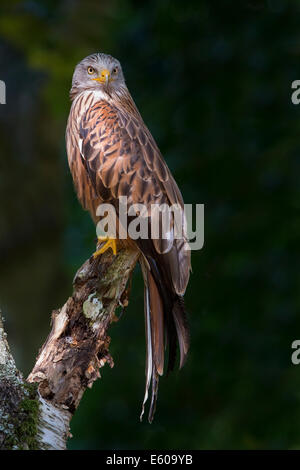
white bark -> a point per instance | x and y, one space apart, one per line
53 427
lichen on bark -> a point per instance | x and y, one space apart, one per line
19 406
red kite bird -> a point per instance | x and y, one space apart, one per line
111 153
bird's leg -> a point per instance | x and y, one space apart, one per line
110 243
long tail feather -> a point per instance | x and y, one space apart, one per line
165 324
154 324
157 325
149 358
154 395
182 329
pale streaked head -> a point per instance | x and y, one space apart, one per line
97 72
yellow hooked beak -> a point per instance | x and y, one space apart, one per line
104 77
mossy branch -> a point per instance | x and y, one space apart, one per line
18 403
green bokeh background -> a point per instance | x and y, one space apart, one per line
212 80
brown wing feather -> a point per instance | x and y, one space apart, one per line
121 156
86 192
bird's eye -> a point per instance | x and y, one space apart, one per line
115 70
90 70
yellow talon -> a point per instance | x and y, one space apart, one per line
110 243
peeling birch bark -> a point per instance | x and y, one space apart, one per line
76 348
53 426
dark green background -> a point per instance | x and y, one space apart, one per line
212 80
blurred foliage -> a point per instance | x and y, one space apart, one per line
212 80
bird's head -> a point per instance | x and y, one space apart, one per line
97 71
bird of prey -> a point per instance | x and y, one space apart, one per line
111 153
